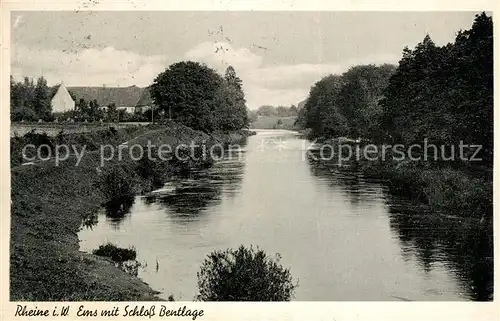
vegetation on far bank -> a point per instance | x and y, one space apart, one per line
441 94
274 122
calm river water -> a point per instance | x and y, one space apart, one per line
343 237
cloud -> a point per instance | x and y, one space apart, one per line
219 55
276 84
88 67
283 84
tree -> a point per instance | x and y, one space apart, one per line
252 115
94 112
321 112
112 113
30 102
244 274
231 110
444 94
187 91
41 101
83 109
266 110
361 91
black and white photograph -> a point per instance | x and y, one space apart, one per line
250 156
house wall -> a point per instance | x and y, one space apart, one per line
127 109
141 109
62 101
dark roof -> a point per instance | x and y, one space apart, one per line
121 96
145 99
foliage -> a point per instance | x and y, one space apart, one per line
346 105
244 274
280 111
115 184
230 105
30 102
266 110
362 88
196 96
444 94
116 253
252 115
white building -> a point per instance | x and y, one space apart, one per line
127 109
62 100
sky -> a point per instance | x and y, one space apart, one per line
278 55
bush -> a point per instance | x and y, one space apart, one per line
115 184
244 275
452 191
116 253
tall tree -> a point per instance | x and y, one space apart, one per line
232 110
187 91
445 94
361 91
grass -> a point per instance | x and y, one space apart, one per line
92 140
447 188
444 188
48 206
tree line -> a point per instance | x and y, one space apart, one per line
197 96
444 94
188 92
32 102
280 111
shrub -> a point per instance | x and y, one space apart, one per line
38 140
115 184
116 253
244 275
456 192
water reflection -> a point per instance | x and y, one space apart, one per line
464 246
117 210
342 235
346 179
188 195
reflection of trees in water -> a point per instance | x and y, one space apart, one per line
188 201
196 190
346 178
117 210
463 245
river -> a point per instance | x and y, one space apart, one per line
342 236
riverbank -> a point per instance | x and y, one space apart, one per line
449 188
49 203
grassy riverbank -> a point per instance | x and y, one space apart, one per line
48 204
458 189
